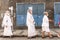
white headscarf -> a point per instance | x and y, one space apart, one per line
7 13
30 8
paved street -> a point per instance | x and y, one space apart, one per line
22 35
25 38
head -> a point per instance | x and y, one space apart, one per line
30 10
46 13
7 13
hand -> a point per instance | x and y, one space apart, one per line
59 26
6 26
51 20
34 22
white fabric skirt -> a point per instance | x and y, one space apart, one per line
31 31
45 28
7 31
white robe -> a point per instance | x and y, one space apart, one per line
6 23
45 24
30 24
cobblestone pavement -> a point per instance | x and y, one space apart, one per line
25 38
22 35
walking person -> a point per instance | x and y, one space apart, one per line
45 25
7 24
30 23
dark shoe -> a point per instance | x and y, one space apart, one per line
34 37
43 37
29 37
4 37
11 36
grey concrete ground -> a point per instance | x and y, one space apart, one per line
20 34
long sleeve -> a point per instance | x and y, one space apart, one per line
30 19
4 21
9 21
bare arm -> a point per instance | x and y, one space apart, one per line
50 20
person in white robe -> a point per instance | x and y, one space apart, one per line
7 24
45 25
30 23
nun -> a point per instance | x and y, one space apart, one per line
30 23
7 24
45 25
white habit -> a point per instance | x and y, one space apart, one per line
6 23
30 24
45 24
